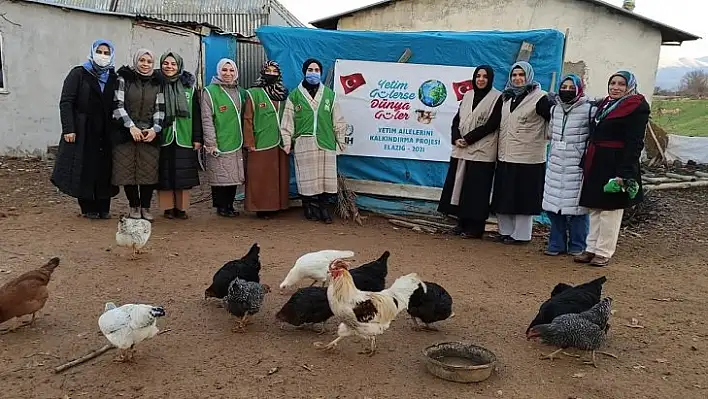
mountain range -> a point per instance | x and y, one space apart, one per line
669 74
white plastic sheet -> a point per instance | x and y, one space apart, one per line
686 149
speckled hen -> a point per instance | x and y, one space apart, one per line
585 331
244 299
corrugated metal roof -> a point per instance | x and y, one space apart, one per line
239 16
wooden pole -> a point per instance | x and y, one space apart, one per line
677 186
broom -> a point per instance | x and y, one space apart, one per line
346 202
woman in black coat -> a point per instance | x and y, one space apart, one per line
83 166
612 176
181 137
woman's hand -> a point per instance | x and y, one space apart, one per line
461 143
210 150
197 146
136 133
70 137
287 149
149 135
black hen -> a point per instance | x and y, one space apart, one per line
247 268
429 307
371 276
308 305
568 299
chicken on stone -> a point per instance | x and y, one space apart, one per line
586 331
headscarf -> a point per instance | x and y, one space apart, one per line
276 91
312 89
479 94
512 91
101 73
141 52
579 90
175 97
217 78
609 104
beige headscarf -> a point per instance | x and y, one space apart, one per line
141 52
217 78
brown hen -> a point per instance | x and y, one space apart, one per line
26 294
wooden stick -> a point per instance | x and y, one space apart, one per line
433 224
681 177
701 174
656 141
409 225
651 180
84 358
676 186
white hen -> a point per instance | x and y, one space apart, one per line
128 325
133 233
314 266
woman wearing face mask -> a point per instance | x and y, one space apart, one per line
181 137
569 129
612 175
222 109
519 176
83 165
140 108
316 143
267 171
471 172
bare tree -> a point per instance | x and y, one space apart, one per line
695 83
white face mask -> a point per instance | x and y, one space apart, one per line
102 60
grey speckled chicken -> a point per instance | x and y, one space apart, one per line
585 331
244 299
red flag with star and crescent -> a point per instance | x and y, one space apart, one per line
460 88
352 82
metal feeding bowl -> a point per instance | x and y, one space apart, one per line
459 361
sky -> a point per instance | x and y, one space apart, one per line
681 14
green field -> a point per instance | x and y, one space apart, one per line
681 116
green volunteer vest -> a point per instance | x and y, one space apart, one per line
227 119
183 127
266 119
318 123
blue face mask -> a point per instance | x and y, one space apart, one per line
312 78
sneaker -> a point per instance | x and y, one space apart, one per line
551 253
600 261
575 253
92 215
511 241
169 213
585 257
179 214
134 213
104 215
145 212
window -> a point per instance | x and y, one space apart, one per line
3 83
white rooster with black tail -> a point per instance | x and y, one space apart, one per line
128 325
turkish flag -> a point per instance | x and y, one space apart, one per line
461 88
352 82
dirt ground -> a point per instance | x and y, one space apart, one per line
658 277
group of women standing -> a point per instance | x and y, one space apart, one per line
499 162
142 128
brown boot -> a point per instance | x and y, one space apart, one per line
600 261
585 257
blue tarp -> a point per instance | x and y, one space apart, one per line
290 47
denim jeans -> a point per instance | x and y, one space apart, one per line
568 233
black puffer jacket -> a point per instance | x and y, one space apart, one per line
179 168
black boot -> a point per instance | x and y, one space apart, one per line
325 214
307 208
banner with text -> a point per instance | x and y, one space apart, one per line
398 110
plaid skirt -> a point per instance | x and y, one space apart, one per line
315 169
135 163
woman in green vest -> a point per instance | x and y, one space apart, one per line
313 125
267 165
181 137
222 105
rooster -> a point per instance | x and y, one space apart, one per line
133 233
585 331
313 266
26 294
246 268
128 325
362 313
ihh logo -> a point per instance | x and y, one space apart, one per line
349 135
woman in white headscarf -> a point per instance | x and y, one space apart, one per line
521 156
140 108
222 120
